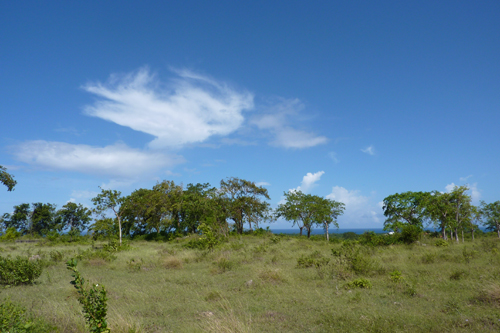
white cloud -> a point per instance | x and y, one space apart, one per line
450 187
308 181
84 194
464 179
192 108
369 150
359 210
333 156
117 160
285 135
262 184
475 193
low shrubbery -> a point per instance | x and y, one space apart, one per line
19 271
16 319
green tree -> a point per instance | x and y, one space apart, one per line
306 209
462 208
326 212
491 213
440 210
7 179
408 208
74 217
243 201
20 219
43 218
110 200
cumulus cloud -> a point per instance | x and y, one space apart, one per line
116 160
262 184
474 192
308 181
277 123
370 150
359 210
190 109
450 187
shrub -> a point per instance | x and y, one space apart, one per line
314 259
15 318
397 276
10 234
223 264
441 243
358 283
410 234
56 256
350 255
429 258
19 271
92 299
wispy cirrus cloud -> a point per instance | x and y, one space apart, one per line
277 122
189 109
116 160
370 150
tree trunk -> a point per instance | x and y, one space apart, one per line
444 233
120 229
309 232
456 235
472 234
301 230
327 235
463 241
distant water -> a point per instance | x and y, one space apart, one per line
358 231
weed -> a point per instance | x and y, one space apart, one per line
213 296
224 265
441 243
358 283
458 275
273 276
468 255
15 318
429 258
172 263
410 290
56 256
396 276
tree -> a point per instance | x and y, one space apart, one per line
491 213
462 208
43 218
327 211
307 209
20 219
244 201
7 179
110 200
405 208
75 217
440 210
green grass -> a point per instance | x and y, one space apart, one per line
254 284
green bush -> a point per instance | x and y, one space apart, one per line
441 243
396 276
19 271
410 234
15 318
10 234
358 283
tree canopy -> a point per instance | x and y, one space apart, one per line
7 179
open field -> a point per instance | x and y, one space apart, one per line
255 284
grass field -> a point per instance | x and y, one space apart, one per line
274 284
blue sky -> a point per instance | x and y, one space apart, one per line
353 100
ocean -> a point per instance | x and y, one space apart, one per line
320 231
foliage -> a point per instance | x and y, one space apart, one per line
10 234
244 202
396 276
491 213
410 233
307 209
110 200
19 271
92 299
406 208
75 217
441 243
39 218
358 283
313 260
7 179
16 319
349 255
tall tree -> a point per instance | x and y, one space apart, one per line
440 210
243 201
491 213
7 179
110 200
20 218
408 208
327 211
43 218
307 209
462 208
74 217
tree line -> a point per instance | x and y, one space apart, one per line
172 209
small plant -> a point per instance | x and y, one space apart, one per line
223 264
468 255
410 290
15 318
19 271
441 243
56 256
92 299
358 283
314 259
429 258
213 296
397 276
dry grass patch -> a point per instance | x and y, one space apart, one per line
172 263
490 295
272 276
